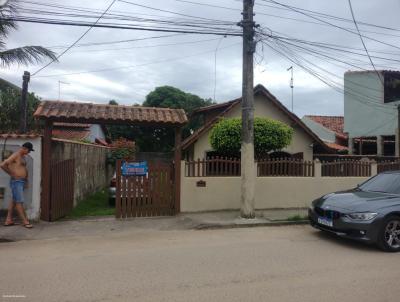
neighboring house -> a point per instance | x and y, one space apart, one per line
330 129
93 133
304 143
370 111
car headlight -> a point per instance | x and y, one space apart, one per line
362 216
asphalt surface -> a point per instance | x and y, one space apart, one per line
287 263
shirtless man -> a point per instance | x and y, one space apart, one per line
15 166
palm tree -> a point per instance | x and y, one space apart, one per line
21 55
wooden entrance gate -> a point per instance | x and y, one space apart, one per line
62 189
146 196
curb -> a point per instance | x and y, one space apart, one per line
212 226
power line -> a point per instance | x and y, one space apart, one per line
115 42
73 44
367 98
283 17
290 8
364 99
352 82
142 28
168 11
134 66
331 24
362 41
62 8
335 47
149 46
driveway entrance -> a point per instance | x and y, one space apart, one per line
148 195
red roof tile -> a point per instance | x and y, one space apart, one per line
74 112
16 135
337 147
72 125
101 142
333 123
70 134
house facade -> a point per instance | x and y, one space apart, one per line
303 144
370 111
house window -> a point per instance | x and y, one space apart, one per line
391 87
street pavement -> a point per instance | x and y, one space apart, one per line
285 263
93 226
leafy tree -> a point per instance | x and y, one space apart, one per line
171 97
269 135
121 149
20 55
10 111
161 139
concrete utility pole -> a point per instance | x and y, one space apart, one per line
24 102
248 173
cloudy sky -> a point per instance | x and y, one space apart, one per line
128 71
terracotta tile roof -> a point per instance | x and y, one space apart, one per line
16 135
72 125
78 142
101 142
333 123
259 89
221 106
71 134
337 147
74 112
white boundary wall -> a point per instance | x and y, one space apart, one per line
34 163
223 193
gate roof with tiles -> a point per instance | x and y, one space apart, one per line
74 112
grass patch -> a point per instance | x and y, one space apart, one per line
94 205
297 217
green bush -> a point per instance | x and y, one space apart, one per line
269 135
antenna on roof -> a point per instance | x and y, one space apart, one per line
291 83
59 88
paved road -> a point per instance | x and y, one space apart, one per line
291 263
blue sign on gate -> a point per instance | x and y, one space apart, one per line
134 169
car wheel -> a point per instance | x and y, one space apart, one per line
389 235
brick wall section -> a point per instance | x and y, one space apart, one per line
91 171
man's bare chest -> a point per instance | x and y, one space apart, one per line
19 162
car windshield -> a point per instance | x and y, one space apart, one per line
387 183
